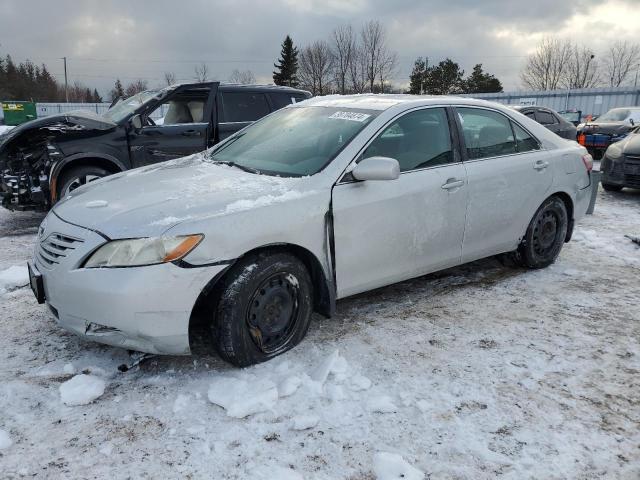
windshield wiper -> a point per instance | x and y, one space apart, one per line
237 165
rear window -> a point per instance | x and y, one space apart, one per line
546 118
243 106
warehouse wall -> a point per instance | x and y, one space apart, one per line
595 101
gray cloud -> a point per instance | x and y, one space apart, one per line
105 40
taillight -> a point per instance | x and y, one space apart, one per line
588 162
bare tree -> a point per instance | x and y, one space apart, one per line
344 52
201 73
136 87
245 77
358 71
316 63
380 61
582 69
547 66
169 78
622 58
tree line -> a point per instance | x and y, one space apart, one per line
560 63
30 82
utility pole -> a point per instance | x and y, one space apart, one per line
66 83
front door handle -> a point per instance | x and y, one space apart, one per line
191 133
540 165
453 183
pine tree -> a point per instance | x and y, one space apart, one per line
481 82
445 78
418 76
287 66
96 96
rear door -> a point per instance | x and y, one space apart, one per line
508 177
238 109
388 231
175 126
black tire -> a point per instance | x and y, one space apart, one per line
77 176
264 308
545 235
611 188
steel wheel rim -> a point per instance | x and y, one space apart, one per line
273 312
79 181
545 233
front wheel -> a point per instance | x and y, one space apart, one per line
264 308
78 176
545 235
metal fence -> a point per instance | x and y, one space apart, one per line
594 101
46 109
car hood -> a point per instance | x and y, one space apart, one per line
610 128
629 146
75 122
150 200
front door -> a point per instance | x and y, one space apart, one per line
388 231
508 178
175 126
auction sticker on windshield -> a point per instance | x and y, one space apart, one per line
353 116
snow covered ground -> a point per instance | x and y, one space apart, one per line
482 371
4 129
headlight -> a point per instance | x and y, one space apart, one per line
137 252
614 152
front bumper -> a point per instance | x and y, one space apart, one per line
624 171
140 308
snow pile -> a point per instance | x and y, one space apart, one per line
13 277
81 389
5 440
241 398
276 473
4 129
391 466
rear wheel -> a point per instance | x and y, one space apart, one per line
264 308
78 176
545 235
611 188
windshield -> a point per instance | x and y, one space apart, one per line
615 115
570 116
295 141
123 109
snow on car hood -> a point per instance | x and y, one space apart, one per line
148 201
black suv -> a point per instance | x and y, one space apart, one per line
550 119
42 160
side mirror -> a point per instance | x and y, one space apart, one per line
136 121
377 168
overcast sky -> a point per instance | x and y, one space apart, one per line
142 39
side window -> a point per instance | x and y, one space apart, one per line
418 139
244 106
546 118
524 141
184 107
531 114
486 133
280 100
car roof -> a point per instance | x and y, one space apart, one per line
226 87
371 101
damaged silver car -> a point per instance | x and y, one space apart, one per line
315 202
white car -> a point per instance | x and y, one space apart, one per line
321 200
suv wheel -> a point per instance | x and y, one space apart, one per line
78 176
545 235
264 308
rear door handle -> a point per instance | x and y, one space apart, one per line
453 183
541 165
191 133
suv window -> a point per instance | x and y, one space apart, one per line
243 106
524 141
418 139
281 100
546 118
184 107
486 133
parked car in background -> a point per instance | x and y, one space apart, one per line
318 201
609 128
550 119
42 160
572 116
620 165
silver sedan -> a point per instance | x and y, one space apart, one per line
321 200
